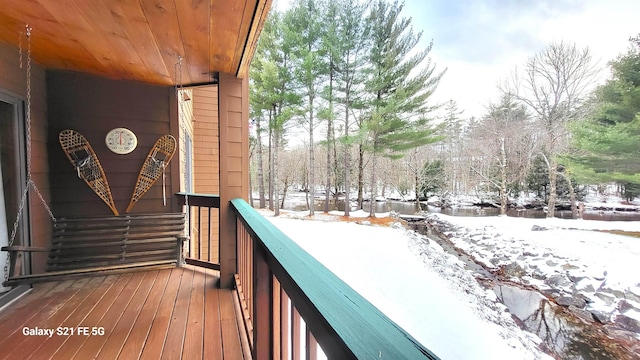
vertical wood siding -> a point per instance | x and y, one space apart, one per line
206 161
93 106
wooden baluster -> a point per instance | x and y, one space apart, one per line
311 346
209 233
199 233
262 312
295 334
277 319
284 324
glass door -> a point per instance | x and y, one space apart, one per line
13 175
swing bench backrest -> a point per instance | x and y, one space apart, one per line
92 245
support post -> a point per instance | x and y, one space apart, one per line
233 109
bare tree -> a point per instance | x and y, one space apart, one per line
553 85
498 140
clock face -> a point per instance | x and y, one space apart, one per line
121 140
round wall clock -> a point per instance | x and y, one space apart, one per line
121 141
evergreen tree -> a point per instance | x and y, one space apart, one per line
273 88
305 25
397 112
538 182
609 140
432 178
349 47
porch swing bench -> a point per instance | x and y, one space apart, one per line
104 245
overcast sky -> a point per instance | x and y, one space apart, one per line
480 42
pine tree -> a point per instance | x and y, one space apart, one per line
609 140
399 86
432 178
273 88
305 23
350 47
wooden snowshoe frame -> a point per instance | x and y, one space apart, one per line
85 161
153 167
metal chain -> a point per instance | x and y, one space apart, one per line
20 47
30 184
28 103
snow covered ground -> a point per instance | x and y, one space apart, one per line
417 284
579 264
565 257
428 291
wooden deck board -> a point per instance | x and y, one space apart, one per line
192 348
19 346
229 327
26 307
170 313
158 333
94 344
213 347
74 343
138 336
51 345
120 333
175 338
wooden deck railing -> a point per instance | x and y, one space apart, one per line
203 229
289 300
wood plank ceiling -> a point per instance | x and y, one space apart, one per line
138 40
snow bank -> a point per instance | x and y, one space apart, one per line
584 269
418 285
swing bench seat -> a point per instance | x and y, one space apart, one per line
105 245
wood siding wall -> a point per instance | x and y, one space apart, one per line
206 161
93 106
234 166
13 83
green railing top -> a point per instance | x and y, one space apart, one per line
366 331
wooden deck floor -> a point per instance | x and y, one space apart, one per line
161 314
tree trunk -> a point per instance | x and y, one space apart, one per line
553 176
327 187
335 171
250 191
417 190
276 194
372 208
271 120
260 166
312 160
360 176
416 178
284 193
503 178
572 197
327 184
347 165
